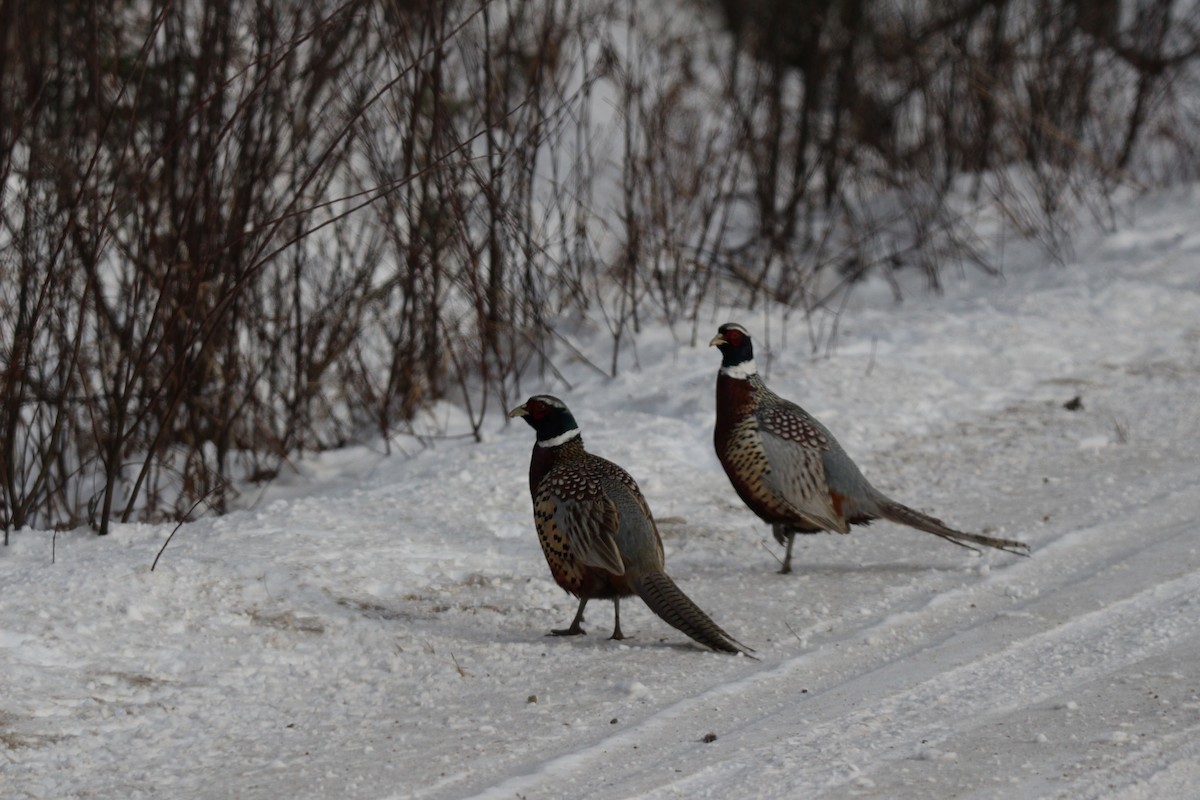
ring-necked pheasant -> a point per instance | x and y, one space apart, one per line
789 469
596 529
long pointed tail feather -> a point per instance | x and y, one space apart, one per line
904 515
668 601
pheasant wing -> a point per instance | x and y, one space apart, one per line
639 528
794 449
581 519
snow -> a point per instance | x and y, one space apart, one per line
375 627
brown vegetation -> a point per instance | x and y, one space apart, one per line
233 232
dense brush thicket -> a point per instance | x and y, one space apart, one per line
231 232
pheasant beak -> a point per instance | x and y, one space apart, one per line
717 340
519 411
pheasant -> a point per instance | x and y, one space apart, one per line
789 469
596 530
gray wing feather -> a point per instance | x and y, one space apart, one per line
637 537
589 524
795 450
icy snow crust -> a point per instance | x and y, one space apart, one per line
376 629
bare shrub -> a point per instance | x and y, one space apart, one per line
232 233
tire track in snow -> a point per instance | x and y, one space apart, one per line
936 691
949 702
1168 768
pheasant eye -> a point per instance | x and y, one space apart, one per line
734 337
537 409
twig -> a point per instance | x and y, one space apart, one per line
763 544
179 525
462 673
793 630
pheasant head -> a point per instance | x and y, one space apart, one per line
737 351
550 417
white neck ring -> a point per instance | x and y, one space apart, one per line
740 371
562 438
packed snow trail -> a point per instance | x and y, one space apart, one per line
993 685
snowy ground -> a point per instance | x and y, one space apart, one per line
376 629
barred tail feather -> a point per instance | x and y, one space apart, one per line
668 601
904 515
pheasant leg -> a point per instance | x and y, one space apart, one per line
575 629
617 620
787 557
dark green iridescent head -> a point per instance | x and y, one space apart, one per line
550 417
734 343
